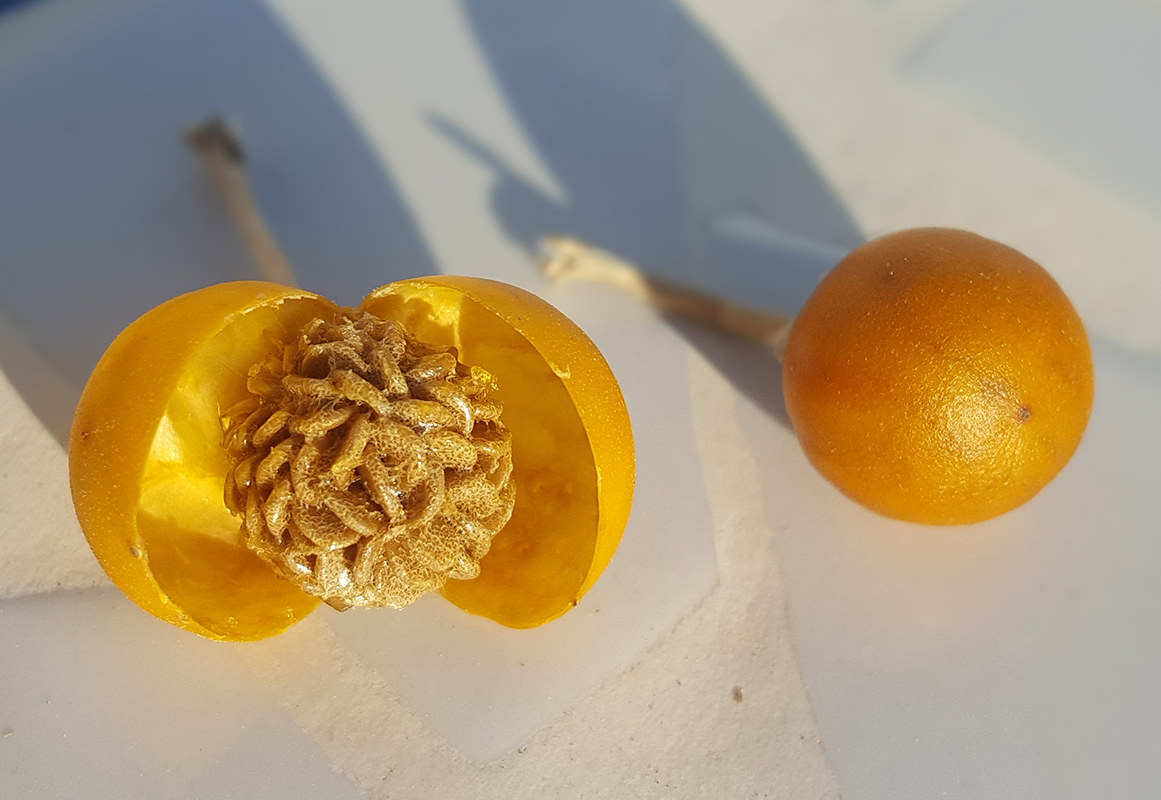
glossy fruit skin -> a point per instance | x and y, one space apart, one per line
185 563
147 467
938 377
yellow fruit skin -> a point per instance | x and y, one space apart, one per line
572 441
147 466
938 377
211 584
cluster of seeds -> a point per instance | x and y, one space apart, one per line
368 467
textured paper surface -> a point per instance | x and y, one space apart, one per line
894 633
717 704
41 546
429 702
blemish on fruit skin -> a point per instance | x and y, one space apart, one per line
1023 414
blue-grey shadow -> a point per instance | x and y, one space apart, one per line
104 213
8 5
664 153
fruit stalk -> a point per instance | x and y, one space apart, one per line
220 150
566 259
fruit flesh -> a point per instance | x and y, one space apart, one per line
572 446
938 377
147 465
145 461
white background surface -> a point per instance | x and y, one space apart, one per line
737 145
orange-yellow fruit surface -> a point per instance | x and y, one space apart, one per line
938 377
147 465
572 446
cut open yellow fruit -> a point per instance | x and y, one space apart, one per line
148 465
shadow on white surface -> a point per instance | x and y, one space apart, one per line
663 152
105 213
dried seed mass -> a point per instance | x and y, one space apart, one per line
368 467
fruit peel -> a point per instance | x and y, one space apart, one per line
939 377
146 466
572 437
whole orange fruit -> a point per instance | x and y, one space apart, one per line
937 376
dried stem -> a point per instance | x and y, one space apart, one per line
570 259
221 153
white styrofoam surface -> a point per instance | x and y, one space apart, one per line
1013 658
126 197
1008 659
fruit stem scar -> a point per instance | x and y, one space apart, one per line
1023 414
220 150
564 258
